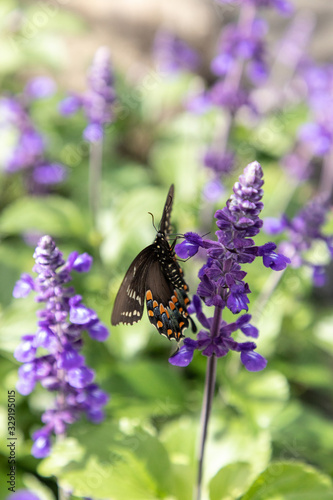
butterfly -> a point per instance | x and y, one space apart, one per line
155 277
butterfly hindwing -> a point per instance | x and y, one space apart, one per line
129 303
163 307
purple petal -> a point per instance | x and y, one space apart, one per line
52 173
250 331
253 361
276 261
319 276
80 377
23 286
184 356
82 263
25 386
81 315
40 87
70 105
46 338
98 331
272 225
69 358
41 447
25 351
184 250
95 415
93 132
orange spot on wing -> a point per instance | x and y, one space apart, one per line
160 324
169 332
186 300
149 295
172 306
181 324
150 313
155 304
185 287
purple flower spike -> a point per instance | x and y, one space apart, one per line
222 282
60 327
97 102
303 231
27 150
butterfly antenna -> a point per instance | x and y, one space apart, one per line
153 221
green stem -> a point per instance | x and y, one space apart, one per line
95 177
207 402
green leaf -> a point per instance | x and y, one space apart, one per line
105 462
290 481
260 396
52 215
230 481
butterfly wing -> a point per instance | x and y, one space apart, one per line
129 303
165 226
166 306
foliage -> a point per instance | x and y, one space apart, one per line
270 435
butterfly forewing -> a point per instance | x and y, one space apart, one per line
129 303
165 226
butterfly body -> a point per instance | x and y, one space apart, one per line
155 277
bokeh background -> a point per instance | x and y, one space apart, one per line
278 420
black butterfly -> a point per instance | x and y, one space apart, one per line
155 276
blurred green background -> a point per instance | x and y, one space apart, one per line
279 420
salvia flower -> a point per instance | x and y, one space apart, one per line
97 100
303 231
24 148
222 282
61 368
173 55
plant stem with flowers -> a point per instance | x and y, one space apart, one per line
96 103
62 369
222 286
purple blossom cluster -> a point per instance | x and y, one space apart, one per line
241 53
222 282
24 146
97 100
173 55
62 368
315 138
305 229
318 133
